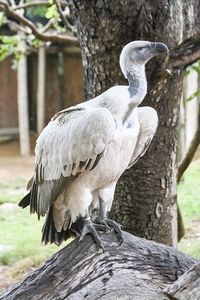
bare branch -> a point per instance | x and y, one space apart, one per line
185 53
47 26
9 2
54 38
13 26
187 286
185 162
64 20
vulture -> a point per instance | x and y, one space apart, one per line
83 151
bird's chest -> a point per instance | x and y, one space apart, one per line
116 157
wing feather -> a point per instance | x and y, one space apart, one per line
148 120
82 135
72 143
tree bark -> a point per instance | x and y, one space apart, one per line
187 287
136 270
145 199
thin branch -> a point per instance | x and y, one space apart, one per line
185 53
13 26
185 162
12 3
54 38
64 20
9 2
47 26
38 3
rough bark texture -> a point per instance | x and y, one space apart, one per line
187 287
146 194
138 269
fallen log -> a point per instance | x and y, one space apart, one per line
187 286
137 269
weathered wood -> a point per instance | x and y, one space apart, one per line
138 269
8 94
41 89
13 131
187 287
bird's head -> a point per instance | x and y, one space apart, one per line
138 53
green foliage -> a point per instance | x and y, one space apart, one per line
194 95
53 14
35 43
38 11
52 11
196 67
3 19
9 45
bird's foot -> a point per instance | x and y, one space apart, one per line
106 224
88 227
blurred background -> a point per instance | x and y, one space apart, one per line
33 88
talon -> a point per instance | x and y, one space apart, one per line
88 227
101 227
112 224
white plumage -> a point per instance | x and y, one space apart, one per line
83 151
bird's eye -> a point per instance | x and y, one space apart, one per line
140 49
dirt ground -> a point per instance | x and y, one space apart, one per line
12 165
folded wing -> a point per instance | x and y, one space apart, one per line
148 120
72 143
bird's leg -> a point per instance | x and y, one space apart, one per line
88 227
102 220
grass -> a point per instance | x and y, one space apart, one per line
11 191
191 247
20 233
189 192
189 202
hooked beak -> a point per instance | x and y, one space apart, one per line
157 48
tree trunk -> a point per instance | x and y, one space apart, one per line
136 270
145 199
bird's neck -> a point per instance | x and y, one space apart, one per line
137 84
121 100
137 89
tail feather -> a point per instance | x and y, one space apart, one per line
25 201
49 233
